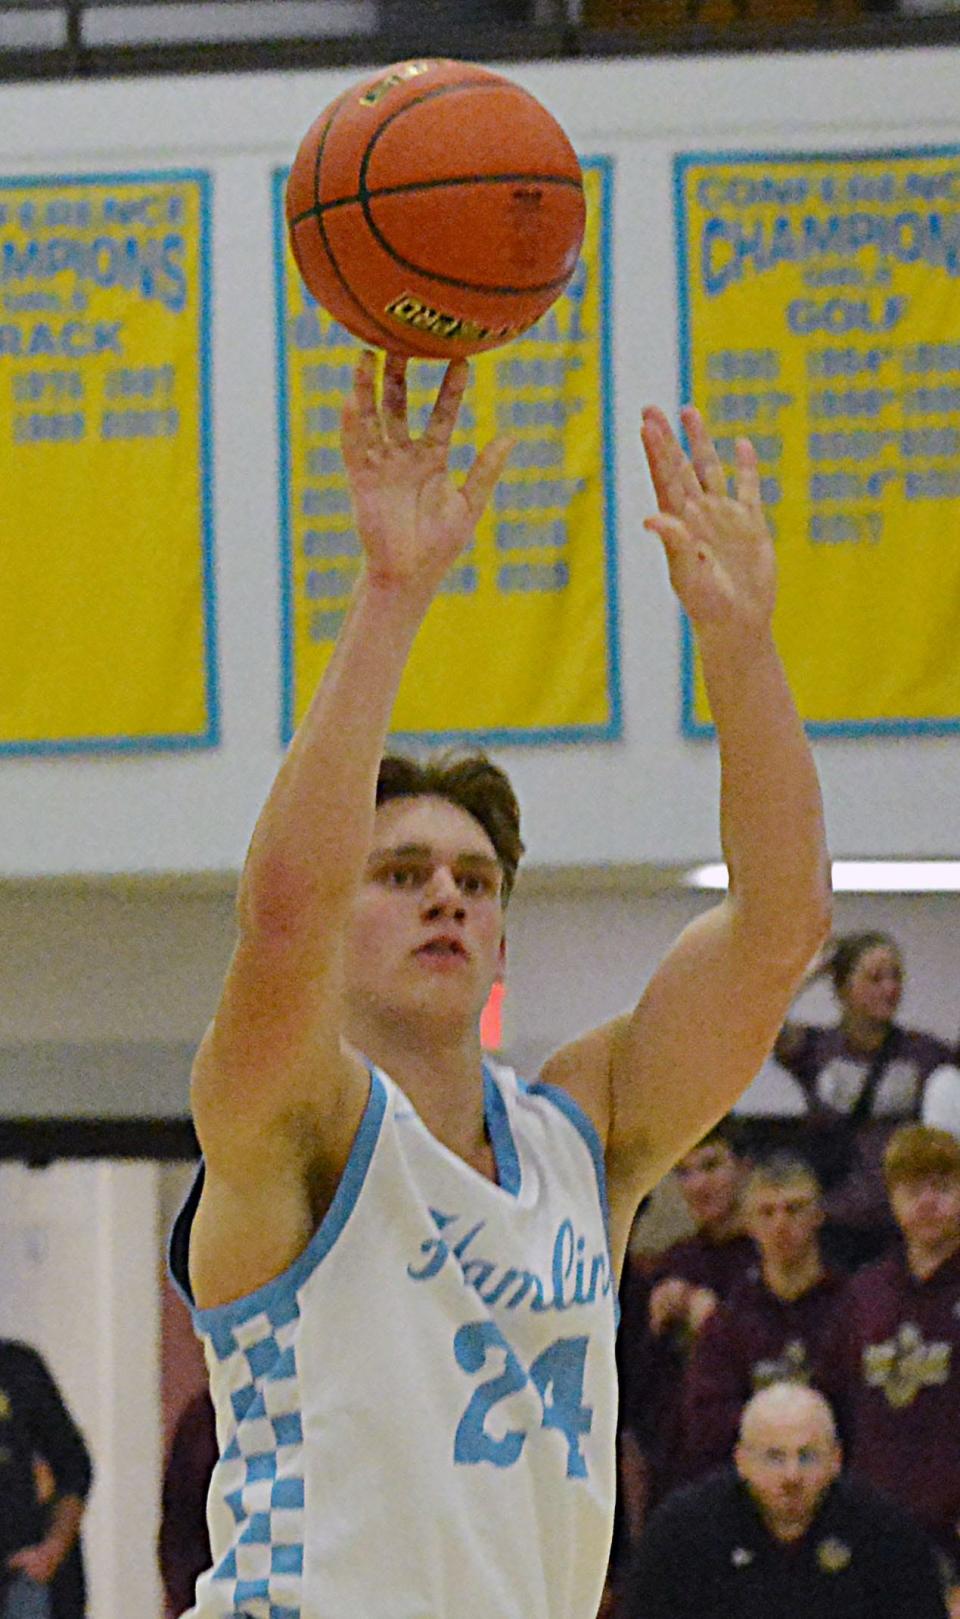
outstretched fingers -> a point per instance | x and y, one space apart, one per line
703 453
393 408
747 476
360 428
443 418
674 480
485 473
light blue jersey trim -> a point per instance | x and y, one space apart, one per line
588 1131
501 1135
269 1297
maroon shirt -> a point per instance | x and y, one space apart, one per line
893 1370
753 1339
832 1076
651 1368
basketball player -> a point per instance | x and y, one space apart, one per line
404 1262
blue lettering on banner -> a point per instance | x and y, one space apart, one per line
920 358
841 315
74 340
48 427
151 266
533 576
732 249
939 483
326 626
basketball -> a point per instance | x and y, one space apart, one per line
435 209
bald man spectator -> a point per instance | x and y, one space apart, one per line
893 1368
783 1533
772 1325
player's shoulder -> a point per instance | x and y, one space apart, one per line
582 1069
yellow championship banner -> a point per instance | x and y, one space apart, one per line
521 645
105 519
819 300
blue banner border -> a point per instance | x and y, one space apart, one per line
164 741
613 729
682 161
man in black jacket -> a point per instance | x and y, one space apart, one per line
40 1569
783 1533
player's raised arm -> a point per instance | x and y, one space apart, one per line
660 1077
273 1052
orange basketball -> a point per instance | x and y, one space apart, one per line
436 209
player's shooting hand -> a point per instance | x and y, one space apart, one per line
413 518
718 546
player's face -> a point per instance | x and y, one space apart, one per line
427 928
875 985
787 1465
927 1209
710 1179
784 1220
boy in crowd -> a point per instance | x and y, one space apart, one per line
893 1365
772 1325
664 1304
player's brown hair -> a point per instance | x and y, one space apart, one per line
474 783
916 1150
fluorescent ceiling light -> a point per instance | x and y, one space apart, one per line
862 876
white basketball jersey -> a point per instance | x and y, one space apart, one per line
416 1420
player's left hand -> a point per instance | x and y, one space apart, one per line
718 547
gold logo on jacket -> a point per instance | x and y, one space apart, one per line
792 1366
833 1555
904 1365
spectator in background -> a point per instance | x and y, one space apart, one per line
861 1077
41 1572
784 1533
184 1542
772 1325
893 1365
664 1304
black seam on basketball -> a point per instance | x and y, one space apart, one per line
364 193
432 95
338 108
387 331
491 289
450 180
316 212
